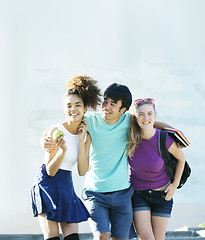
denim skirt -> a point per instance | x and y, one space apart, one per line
56 197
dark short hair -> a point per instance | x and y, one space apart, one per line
118 92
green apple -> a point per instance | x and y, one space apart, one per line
58 133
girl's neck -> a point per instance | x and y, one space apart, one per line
71 127
147 133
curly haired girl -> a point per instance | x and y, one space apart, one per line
53 197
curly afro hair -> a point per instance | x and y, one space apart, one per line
85 87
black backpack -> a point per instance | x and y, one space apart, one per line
170 160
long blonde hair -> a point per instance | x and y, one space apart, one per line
134 137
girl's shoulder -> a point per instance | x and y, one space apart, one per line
169 139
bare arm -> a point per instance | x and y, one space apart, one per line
84 146
46 141
55 156
54 162
179 155
161 125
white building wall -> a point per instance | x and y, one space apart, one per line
156 48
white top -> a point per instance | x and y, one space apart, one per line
72 144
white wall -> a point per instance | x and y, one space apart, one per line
156 48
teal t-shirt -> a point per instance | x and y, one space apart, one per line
108 154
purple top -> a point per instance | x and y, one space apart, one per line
147 168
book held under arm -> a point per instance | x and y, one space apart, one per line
178 136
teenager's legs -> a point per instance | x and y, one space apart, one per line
143 225
116 238
96 204
109 208
53 238
121 213
101 236
161 212
49 228
121 220
159 226
69 229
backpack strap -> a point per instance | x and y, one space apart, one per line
164 153
162 146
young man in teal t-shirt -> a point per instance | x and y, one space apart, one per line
107 193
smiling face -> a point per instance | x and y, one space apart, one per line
145 115
73 108
111 110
